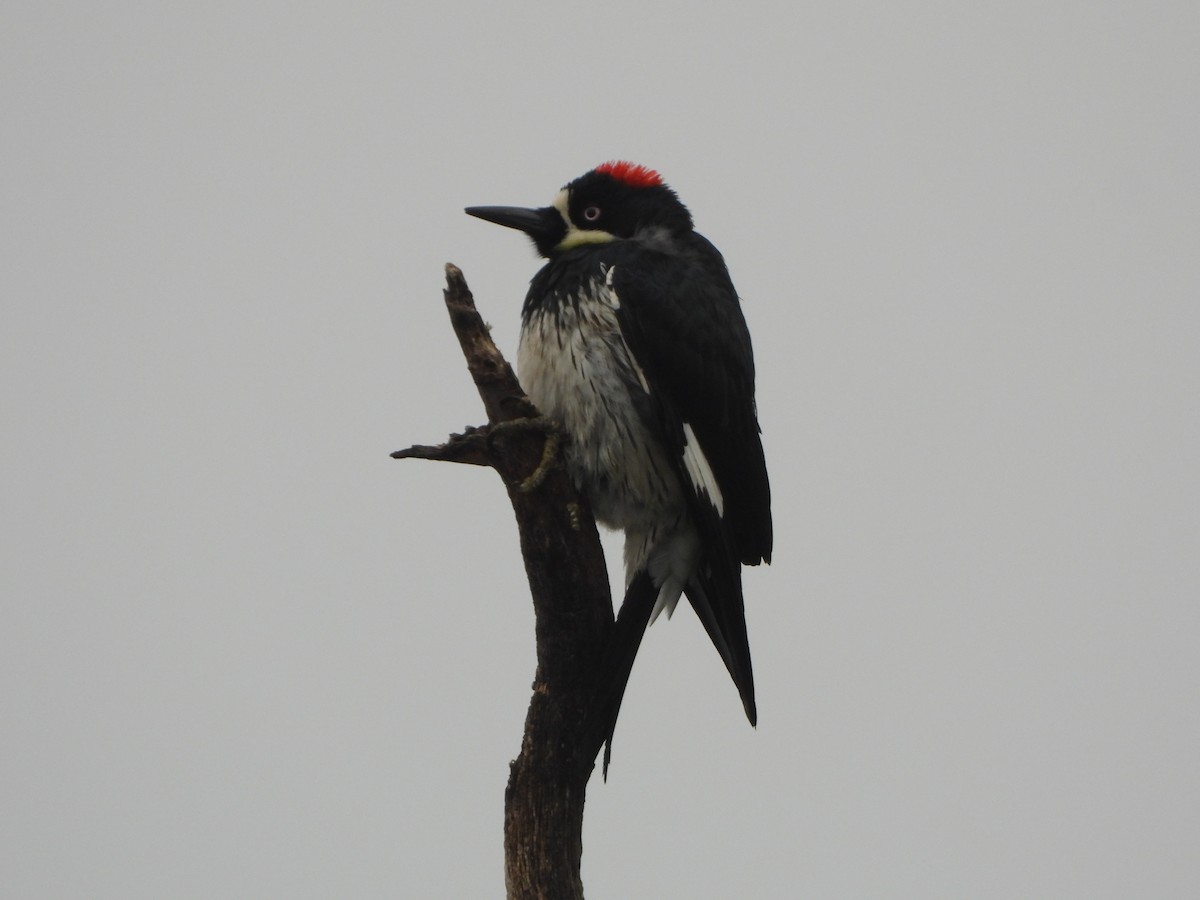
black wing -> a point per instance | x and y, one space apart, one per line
682 321
680 316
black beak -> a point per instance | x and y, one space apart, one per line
526 220
544 226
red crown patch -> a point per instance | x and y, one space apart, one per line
630 173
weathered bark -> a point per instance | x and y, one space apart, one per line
543 809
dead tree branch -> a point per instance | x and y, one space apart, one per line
543 808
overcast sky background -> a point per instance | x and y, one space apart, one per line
244 654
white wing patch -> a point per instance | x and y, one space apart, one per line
699 470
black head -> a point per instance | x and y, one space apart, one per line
614 201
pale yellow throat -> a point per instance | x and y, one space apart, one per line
577 237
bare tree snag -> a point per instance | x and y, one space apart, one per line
543 805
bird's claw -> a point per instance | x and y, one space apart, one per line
554 434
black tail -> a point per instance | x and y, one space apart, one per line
623 645
719 606
721 611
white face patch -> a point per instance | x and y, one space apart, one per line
562 202
576 236
700 471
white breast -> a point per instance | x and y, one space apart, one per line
577 368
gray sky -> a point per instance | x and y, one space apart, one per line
244 654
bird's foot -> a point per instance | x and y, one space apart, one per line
544 425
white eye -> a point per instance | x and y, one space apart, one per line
591 213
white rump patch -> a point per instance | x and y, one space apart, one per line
671 565
698 468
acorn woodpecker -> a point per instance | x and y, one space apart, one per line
633 339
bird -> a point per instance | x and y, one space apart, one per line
633 340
